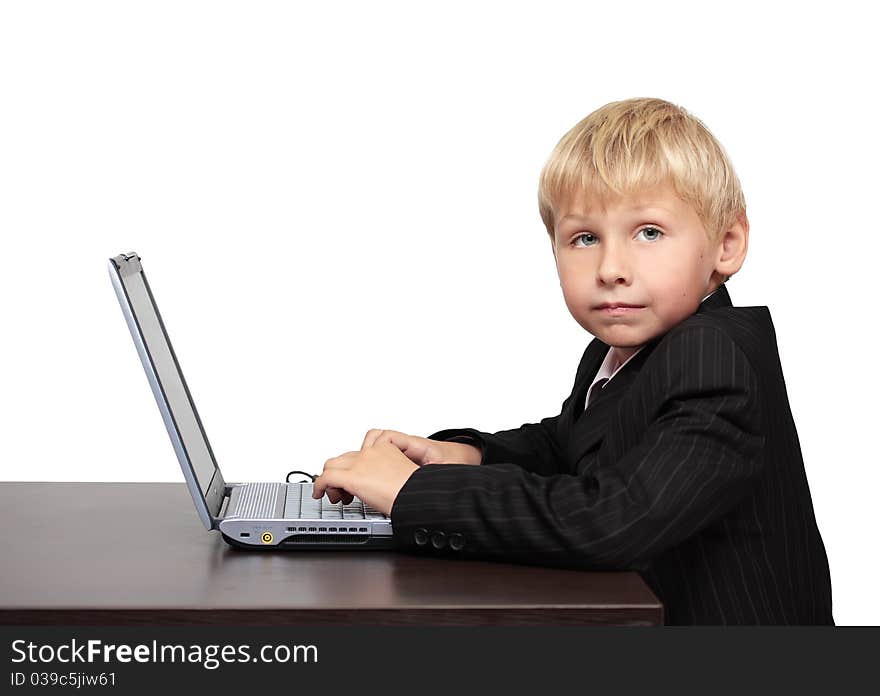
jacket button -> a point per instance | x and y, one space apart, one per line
420 536
438 540
456 542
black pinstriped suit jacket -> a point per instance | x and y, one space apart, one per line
687 468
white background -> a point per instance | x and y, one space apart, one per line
335 204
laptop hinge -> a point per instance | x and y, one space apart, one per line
222 513
214 496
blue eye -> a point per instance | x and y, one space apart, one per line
586 234
651 239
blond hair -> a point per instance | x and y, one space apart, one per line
627 146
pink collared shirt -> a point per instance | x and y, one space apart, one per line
609 366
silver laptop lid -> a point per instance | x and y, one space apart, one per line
203 476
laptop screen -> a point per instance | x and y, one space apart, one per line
179 411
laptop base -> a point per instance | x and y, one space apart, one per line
303 542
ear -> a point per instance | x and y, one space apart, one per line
733 246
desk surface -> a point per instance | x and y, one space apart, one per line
136 553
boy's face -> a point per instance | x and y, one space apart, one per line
648 250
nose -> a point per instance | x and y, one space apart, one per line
614 267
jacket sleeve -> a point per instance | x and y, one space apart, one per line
698 457
533 446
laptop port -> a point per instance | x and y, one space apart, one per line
322 529
245 534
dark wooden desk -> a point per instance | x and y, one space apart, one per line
136 553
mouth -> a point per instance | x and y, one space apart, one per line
618 308
618 305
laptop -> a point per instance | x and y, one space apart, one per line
260 516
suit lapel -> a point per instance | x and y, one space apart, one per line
587 427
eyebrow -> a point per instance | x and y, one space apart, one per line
638 209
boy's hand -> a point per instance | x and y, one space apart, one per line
422 450
374 474
383 473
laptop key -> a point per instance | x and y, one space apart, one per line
293 501
309 508
331 511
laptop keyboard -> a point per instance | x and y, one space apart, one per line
299 504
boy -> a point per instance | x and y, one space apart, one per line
675 454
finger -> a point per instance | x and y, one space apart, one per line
336 494
318 487
328 485
371 437
332 479
414 448
393 437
